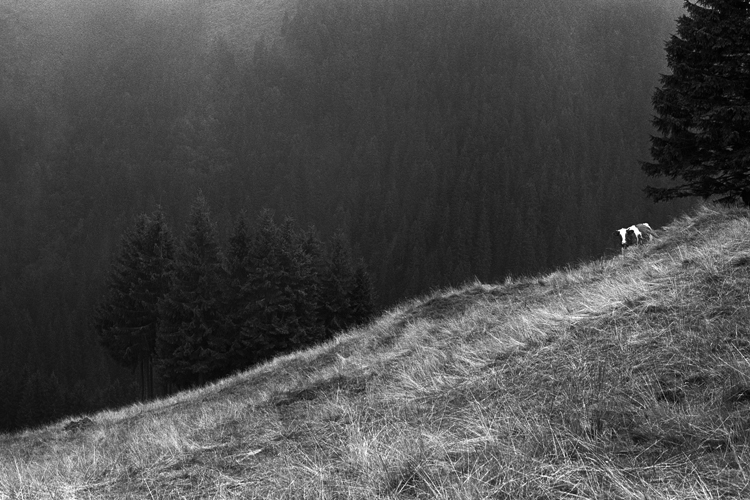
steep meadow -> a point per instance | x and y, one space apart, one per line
624 377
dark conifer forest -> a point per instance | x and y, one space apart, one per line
435 141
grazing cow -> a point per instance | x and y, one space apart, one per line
635 234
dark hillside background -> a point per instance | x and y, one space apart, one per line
446 139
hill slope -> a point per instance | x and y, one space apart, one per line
622 378
445 139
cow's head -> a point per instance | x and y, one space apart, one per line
622 235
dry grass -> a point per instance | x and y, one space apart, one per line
622 378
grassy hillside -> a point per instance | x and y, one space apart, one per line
621 378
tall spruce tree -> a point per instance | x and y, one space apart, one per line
337 281
301 285
361 295
234 297
191 344
127 319
280 293
703 107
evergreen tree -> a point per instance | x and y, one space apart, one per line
337 281
702 107
191 344
280 291
239 247
127 319
301 287
361 295
258 294
234 298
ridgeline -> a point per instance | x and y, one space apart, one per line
624 377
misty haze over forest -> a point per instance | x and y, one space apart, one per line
446 140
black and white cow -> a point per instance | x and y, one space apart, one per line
635 234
